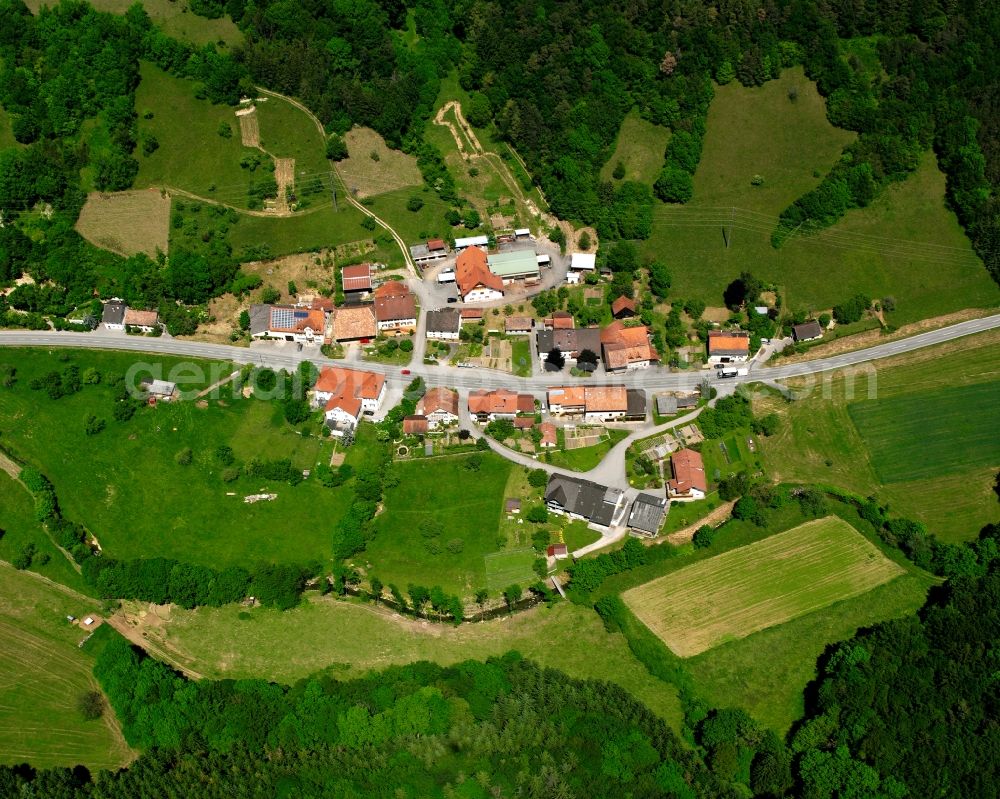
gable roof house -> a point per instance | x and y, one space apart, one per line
357 277
623 308
287 323
346 395
439 406
549 435
476 283
113 315
444 324
353 322
146 321
518 325
647 515
626 347
395 308
809 331
560 320
415 425
569 341
502 403
689 481
582 499
725 346
598 403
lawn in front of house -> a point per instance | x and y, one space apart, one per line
585 458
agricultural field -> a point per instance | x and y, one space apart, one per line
767 673
372 167
126 483
639 148
18 530
791 145
127 222
906 445
762 585
818 441
348 639
440 522
45 674
192 155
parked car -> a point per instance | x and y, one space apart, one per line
453 299
405 372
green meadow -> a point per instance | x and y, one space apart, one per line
906 244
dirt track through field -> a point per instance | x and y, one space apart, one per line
284 176
249 127
761 585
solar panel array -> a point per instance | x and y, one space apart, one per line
282 318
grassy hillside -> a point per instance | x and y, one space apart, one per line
125 483
350 639
791 146
639 148
288 132
819 442
44 675
192 155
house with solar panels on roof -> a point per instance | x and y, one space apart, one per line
287 323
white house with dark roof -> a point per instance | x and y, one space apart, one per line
113 315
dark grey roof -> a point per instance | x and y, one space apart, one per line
665 406
260 319
635 402
647 513
583 498
807 330
114 313
445 320
573 340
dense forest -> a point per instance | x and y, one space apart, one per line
556 78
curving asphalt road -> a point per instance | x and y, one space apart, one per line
286 356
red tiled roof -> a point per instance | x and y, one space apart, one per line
689 472
435 244
415 425
313 319
723 341
548 431
472 270
471 313
524 422
337 380
394 301
621 304
438 399
519 323
321 304
357 277
500 401
357 321
392 288
624 345
561 320
557 549
140 318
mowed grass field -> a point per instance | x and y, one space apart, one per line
317 228
350 639
175 19
504 569
791 145
44 675
127 222
125 485
192 155
467 505
761 585
818 442
640 147
288 132
964 431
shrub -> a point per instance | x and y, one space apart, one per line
538 514
91 705
94 425
704 537
184 457
538 478
455 546
414 204
406 345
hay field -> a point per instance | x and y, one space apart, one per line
44 674
929 433
126 222
393 169
640 147
761 585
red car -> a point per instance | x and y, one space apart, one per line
406 371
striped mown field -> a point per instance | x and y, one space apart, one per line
931 433
761 585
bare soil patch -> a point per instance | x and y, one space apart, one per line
249 126
684 535
284 176
126 222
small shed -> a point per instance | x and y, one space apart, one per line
557 551
512 505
